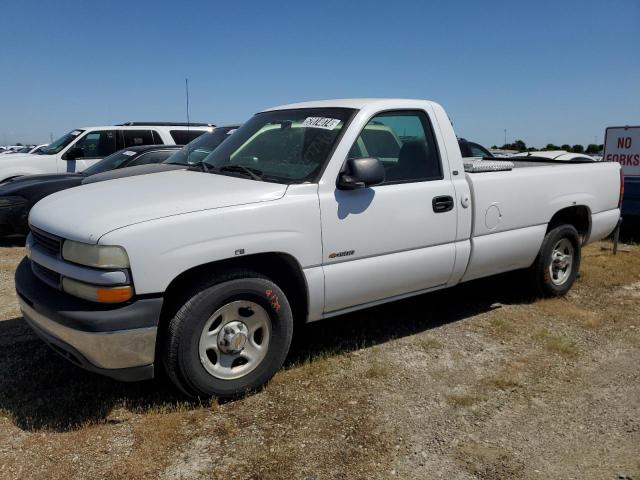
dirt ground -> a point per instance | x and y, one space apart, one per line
478 382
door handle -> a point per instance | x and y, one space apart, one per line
442 204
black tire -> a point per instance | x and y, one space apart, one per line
180 348
543 281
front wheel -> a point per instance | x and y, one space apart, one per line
230 336
558 262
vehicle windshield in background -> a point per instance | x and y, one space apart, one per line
111 162
285 146
60 143
196 150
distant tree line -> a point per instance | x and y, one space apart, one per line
520 146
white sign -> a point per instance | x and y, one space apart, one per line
321 122
622 145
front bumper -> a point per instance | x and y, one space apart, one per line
116 341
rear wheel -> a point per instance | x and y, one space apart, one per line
229 336
558 262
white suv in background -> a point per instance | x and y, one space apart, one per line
81 148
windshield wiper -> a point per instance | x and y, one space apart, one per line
202 166
252 172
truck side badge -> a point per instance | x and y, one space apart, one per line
346 253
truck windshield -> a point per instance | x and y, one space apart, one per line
196 150
60 143
285 146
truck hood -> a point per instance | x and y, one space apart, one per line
17 158
132 172
26 181
89 211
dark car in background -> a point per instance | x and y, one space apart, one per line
19 195
472 149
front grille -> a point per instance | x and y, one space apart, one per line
48 242
47 276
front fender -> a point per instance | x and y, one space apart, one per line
162 249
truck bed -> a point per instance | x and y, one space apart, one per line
511 209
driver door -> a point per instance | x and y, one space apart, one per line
91 148
389 240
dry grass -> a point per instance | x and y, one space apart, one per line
502 326
556 344
428 343
605 269
377 370
152 437
530 389
566 310
463 400
505 382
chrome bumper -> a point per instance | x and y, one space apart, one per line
105 350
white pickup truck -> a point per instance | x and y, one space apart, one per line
308 211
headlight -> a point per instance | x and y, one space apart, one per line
8 202
95 293
99 256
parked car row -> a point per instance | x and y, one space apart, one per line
205 264
19 194
22 149
83 147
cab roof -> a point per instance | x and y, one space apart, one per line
355 103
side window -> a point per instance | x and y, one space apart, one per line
478 150
403 141
356 151
97 144
151 157
157 139
182 137
134 138
465 149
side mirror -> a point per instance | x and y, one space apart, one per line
73 153
361 173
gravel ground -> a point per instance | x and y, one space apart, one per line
478 382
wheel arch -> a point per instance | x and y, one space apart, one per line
579 216
282 268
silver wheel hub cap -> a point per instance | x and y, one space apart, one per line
233 337
561 262
235 340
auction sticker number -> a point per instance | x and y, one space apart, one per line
321 122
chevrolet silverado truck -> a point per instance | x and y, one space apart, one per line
306 212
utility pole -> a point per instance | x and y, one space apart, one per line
186 89
505 136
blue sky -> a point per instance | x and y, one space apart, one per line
557 71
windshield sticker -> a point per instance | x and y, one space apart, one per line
321 122
75 133
231 131
129 153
